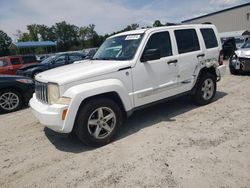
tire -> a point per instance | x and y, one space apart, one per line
233 71
92 126
10 100
205 90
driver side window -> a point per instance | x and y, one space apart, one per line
60 60
160 41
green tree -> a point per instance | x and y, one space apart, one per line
5 42
46 33
66 35
157 23
33 30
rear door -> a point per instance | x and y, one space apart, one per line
190 53
211 44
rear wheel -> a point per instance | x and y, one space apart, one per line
10 100
98 121
205 90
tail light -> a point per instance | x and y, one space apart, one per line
221 56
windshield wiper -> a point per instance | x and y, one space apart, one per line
103 58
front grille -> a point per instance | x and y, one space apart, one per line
245 63
41 90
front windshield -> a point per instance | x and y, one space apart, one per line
48 60
119 48
246 44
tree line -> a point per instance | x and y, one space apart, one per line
67 36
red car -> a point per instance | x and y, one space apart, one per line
10 64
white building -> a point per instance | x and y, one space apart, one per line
232 19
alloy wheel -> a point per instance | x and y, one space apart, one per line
101 122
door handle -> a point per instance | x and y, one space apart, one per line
172 61
200 55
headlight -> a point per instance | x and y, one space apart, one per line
53 93
25 81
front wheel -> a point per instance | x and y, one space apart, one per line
205 90
97 122
10 100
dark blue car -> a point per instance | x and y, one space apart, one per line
50 63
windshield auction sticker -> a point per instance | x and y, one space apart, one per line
133 37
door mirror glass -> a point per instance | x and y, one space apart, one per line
150 54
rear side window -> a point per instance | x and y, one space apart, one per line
187 40
3 63
209 38
160 41
29 59
15 61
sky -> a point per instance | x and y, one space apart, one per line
107 15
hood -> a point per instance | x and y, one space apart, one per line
243 52
26 67
80 71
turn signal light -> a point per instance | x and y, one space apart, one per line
64 113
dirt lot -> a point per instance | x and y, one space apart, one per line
174 144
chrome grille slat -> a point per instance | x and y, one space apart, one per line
41 91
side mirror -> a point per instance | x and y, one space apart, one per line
150 54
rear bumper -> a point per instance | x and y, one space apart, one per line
221 71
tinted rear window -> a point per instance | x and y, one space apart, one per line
187 40
15 61
209 38
29 59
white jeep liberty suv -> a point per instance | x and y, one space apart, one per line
130 70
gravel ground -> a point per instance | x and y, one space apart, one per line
173 144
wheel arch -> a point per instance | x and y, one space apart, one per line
80 94
204 70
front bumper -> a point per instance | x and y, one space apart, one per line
240 63
50 115
245 63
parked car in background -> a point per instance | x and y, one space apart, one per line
240 61
89 52
15 92
40 58
50 63
10 64
241 40
228 46
129 71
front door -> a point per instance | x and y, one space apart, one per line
155 79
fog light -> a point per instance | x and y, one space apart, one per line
64 113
